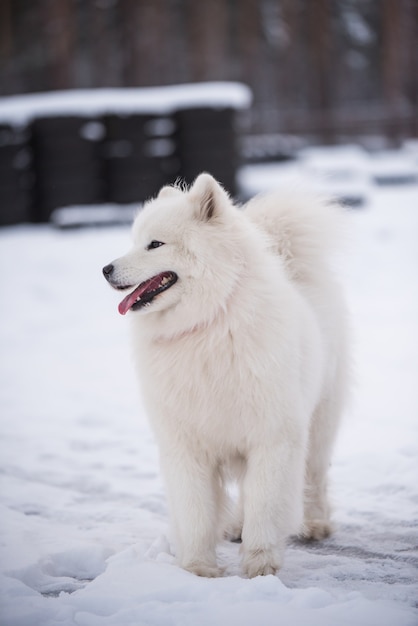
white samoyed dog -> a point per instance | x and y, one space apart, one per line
240 345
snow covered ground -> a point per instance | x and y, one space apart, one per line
83 515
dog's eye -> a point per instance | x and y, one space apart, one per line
154 244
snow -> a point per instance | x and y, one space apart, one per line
147 100
93 215
84 526
394 167
346 171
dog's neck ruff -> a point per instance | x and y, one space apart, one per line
160 339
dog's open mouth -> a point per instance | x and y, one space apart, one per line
144 294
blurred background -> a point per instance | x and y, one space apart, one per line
321 72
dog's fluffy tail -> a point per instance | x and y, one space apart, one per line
303 227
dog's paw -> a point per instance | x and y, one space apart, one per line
316 529
261 563
206 570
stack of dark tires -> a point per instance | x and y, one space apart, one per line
67 162
113 147
206 142
139 156
16 175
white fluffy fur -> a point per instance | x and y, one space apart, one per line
242 364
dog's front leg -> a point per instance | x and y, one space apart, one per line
190 481
273 505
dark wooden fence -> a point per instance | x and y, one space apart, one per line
59 154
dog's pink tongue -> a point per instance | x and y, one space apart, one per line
130 300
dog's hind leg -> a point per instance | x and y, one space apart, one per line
232 518
317 511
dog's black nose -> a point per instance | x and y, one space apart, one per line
107 271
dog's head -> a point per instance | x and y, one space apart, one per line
184 256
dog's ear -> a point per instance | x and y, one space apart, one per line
209 195
169 192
